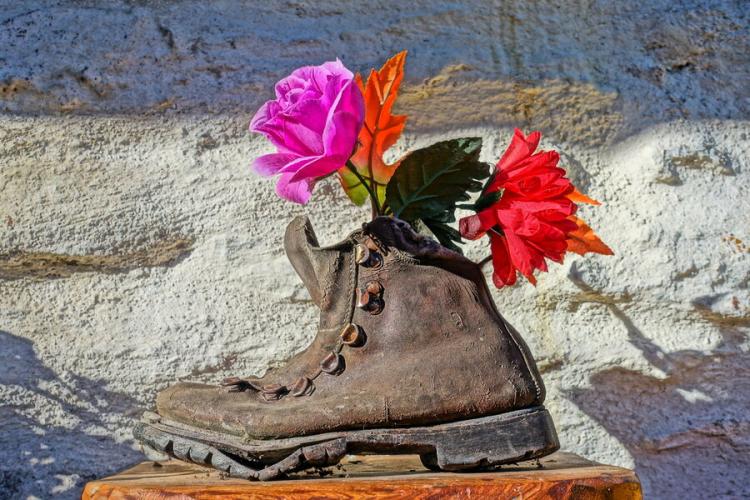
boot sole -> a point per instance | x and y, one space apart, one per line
474 444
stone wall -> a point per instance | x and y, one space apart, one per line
136 248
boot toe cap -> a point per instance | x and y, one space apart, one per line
214 408
190 403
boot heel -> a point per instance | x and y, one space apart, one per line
490 441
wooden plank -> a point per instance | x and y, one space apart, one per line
560 476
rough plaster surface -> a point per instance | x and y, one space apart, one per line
136 248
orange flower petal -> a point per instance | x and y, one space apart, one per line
380 130
584 240
578 197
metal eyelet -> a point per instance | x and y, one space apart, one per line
363 299
374 288
369 302
370 298
361 254
332 364
376 260
302 387
273 392
353 335
376 306
371 244
367 257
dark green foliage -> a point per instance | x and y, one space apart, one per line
430 182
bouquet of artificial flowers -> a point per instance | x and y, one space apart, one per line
327 121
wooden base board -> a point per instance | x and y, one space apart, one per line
558 476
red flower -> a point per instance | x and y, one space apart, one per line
530 221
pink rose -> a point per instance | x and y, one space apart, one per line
314 123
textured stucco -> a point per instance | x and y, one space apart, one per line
137 249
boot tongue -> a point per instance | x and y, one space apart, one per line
303 251
325 272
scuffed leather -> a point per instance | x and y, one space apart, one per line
439 350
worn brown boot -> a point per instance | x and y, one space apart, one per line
411 356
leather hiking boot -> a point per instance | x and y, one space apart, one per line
411 356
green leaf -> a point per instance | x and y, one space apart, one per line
448 236
487 200
430 182
353 187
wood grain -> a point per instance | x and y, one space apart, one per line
560 476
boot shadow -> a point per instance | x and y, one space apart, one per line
681 430
54 457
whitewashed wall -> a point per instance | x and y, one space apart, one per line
138 249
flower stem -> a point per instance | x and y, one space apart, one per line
373 197
485 261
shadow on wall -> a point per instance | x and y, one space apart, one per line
687 432
55 451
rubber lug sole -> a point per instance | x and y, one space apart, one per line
474 444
